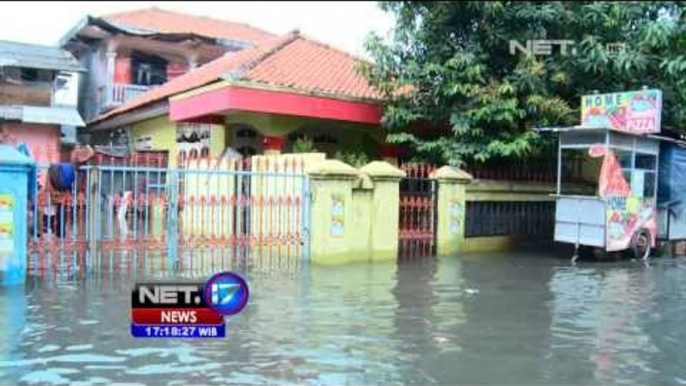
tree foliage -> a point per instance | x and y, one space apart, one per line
456 93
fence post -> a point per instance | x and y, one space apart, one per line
93 209
331 211
450 209
172 229
385 209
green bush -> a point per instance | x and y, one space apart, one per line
303 145
356 159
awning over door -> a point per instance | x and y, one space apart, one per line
61 116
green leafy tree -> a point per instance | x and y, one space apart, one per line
303 145
456 93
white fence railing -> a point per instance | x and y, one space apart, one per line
119 93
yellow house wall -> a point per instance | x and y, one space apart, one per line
353 137
163 134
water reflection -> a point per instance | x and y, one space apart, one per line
13 309
427 312
491 319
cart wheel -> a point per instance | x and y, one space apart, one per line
640 244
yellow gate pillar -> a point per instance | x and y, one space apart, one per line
385 180
331 234
450 209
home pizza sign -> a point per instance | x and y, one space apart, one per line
635 112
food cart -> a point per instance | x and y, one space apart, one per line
607 185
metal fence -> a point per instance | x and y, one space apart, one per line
515 171
417 214
510 218
141 211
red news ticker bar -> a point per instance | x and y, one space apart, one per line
184 316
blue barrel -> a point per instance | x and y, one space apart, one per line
16 172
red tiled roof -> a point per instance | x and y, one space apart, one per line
311 66
201 76
292 62
167 21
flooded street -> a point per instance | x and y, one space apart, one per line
487 319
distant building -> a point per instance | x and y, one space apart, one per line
129 53
273 90
30 78
260 100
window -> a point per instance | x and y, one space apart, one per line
144 74
246 133
29 74
246 140
643 184
624 158
645 161
193 140
649 186
643 178
325 139
580 172
148 70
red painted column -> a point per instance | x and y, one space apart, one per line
122 70
273 144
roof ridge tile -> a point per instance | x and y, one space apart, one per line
196 19
334 48
278 45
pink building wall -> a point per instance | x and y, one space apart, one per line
43 140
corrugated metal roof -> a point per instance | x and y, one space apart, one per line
67 116
53 115
11 113
14 54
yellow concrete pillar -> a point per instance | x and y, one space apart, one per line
391 160
384 209
450 209
332 232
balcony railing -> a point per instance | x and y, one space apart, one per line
118 93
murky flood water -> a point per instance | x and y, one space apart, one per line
489 319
